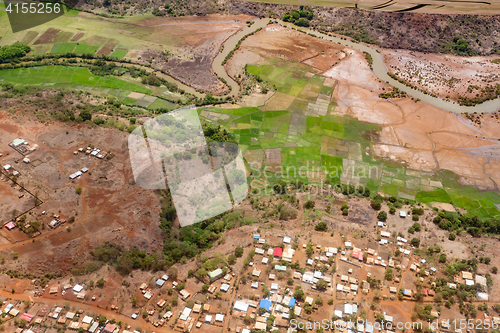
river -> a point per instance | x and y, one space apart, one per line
379 69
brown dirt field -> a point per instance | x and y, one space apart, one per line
107 48
192 43
277 41
443 74
95 40
108 208
410 129
77 36
47 37
28 38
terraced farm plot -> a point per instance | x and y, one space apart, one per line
85 49
119 53
29 37
63 48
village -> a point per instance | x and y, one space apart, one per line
283 285
274 283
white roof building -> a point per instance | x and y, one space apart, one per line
185 313
241 306
77 288
219 317
287 240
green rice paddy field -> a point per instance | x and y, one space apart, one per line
308 140
67 75
80 78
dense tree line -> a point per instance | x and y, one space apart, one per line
14 51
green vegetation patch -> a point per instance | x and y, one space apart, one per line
119 53
86 49
438 195
68 75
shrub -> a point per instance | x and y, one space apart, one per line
382 216
309 204
321 226
85 115
238 252
287 213
376 204
442 258
452 236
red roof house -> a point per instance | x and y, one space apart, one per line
110 328
27 317
278 251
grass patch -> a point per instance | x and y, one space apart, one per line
119 53
86 49
66 75
438 195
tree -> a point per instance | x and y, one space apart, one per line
287 213
231 259
85 115
494 270
382 216
151 79
321 226
175 300
415 242
321 284
392 210
415 217
442 258
78 190
238 252
201 273
298 294
376 204
452 236
172 272
100 282
249 320
102 319
309 204
318 301
290 281
487 260
388 274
